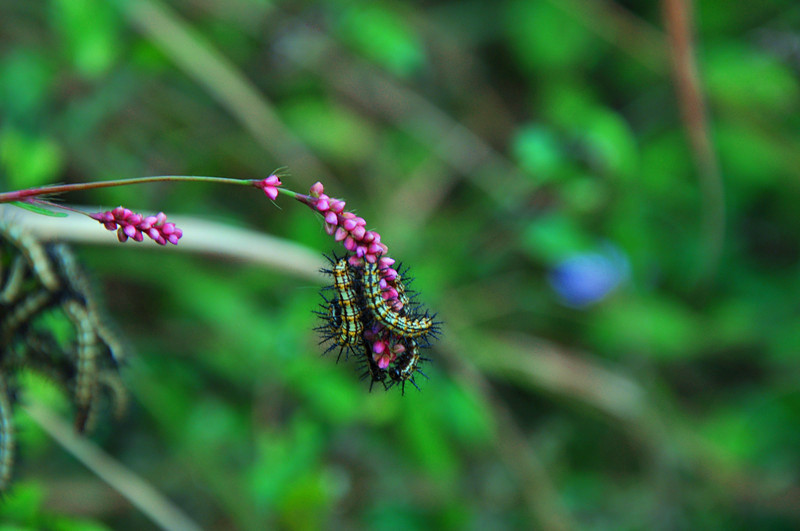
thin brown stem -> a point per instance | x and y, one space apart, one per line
677 18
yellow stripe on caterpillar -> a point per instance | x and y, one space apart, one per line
401 325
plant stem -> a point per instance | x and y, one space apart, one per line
7 197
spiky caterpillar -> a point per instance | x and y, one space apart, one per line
351 326
343 314
398 323
42 288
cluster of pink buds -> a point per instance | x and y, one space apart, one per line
351 231
129 224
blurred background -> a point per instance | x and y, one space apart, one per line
598 197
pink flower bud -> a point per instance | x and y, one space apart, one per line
331 218
340 234
316 189
358 233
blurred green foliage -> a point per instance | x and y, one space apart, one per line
488 143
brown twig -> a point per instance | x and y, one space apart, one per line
677 18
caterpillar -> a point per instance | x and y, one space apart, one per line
49 323
406 365
343 314
399 323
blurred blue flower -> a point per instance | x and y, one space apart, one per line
586 278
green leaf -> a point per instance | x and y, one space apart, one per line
383 35
538 151
90 31
38 209
28 160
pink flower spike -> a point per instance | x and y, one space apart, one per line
132 225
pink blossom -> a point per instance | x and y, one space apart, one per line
269 185
131 225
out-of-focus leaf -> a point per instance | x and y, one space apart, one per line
538 151
650 327
748 79
543 36
29 160
380 33
553 237
27 75
609 143
73 524
22 504
330 129
90 31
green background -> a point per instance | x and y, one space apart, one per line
486 142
